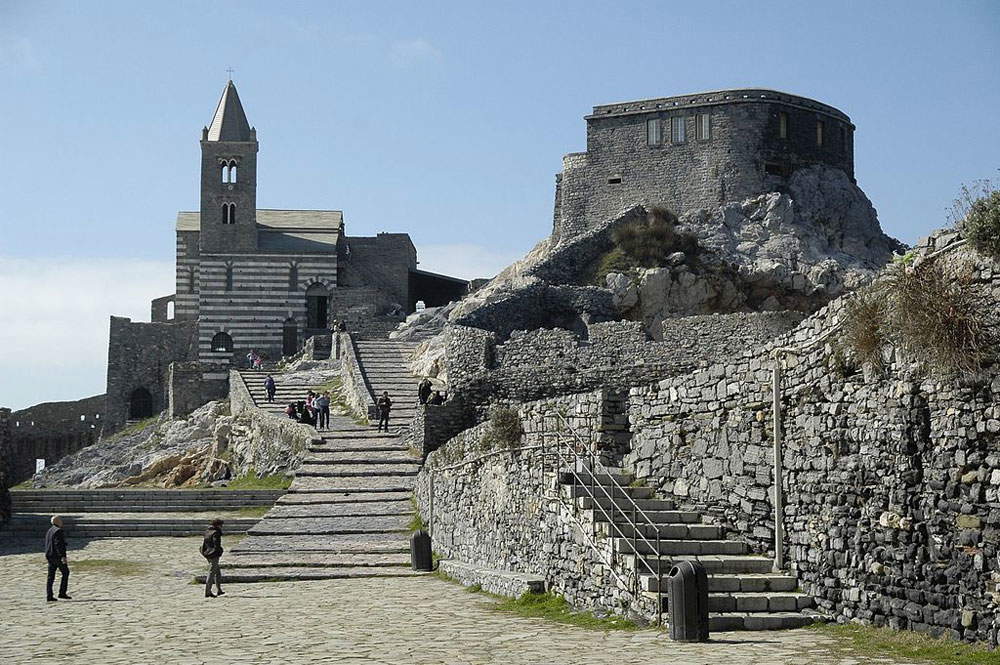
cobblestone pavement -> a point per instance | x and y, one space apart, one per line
158 617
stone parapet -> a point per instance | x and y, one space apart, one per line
357 391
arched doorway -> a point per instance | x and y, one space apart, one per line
289 337
317 304
140 404
222 342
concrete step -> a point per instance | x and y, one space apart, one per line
313 560
669 531
714 564
253 575
333 470
323 526
322 498
726 583
681 547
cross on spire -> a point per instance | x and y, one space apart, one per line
229 70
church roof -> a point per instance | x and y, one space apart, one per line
278 220
229 122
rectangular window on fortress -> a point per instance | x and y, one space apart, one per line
782 125
704 127
819 133
653 132
677 129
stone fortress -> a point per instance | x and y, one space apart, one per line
695 151
667 372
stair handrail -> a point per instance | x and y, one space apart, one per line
596 466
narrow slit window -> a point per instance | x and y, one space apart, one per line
232 171
653 136
677 129
782 125
229 277
293 277
232 213
615 180
819 133
225 173
704 127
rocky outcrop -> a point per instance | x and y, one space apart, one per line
169 453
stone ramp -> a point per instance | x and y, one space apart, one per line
348 511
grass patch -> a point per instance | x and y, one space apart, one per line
23 485
253 511
117 567
252 482
134 428
335 387
474 588
882 642
554 608
417 521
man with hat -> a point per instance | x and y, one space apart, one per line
211 549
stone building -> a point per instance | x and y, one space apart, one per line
695 151
257 279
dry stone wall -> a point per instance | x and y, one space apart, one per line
5 479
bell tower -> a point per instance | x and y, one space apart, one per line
229 179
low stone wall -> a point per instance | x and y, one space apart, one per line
356 389
262 442
51 431
5 480
497 582
434 424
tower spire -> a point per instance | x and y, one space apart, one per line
230 121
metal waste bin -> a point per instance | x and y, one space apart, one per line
687 588
420 551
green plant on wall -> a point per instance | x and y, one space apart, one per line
981 225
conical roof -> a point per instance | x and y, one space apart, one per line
230 122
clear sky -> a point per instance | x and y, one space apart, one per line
446 120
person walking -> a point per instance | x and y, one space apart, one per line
323 405
211 549
270 387
55 554
424 391
384 405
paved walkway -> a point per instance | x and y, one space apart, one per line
158 617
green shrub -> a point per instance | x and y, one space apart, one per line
862 337
648 242
981 225
505 428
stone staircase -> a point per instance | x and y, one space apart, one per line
744 592
347 513
124 513
384 363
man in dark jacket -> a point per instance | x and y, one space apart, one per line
55 554
270 387
383 405
211 549
424 391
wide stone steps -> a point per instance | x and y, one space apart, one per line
752 602
328 484
320 526
667 531
395 455
679 547
722 583
714 564
719 623
293 574
119 525
372 543
314 560
322 498
336 470
355 509
109 500
650 506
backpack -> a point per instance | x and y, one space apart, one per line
208 549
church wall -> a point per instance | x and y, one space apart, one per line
383 262
187 271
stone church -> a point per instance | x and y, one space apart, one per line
256 279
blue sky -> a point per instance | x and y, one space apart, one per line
446 120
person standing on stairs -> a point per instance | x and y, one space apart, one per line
322 403
270 387
384 405
55 554
211 549
424 391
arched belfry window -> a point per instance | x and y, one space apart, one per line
232 171
225 173
228 213
222 342
229 171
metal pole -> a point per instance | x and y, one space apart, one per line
430 526
779 503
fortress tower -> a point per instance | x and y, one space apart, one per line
695 151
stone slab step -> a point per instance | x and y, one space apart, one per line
714 564
336 485
359 448
307 526
375 543
108 507
354 509
313 560
668 531
235 496
324 498
657 509
605 493
751 602
408 469
720 623
724 583
680 547
253 575
361 457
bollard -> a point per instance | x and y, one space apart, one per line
688 602
420 551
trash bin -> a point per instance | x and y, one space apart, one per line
420 551
687 599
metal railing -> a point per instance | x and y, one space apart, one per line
576 456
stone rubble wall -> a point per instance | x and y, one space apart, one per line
499 513
5 477
263 442
51 431
538 363
434 424
892 483
356 389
